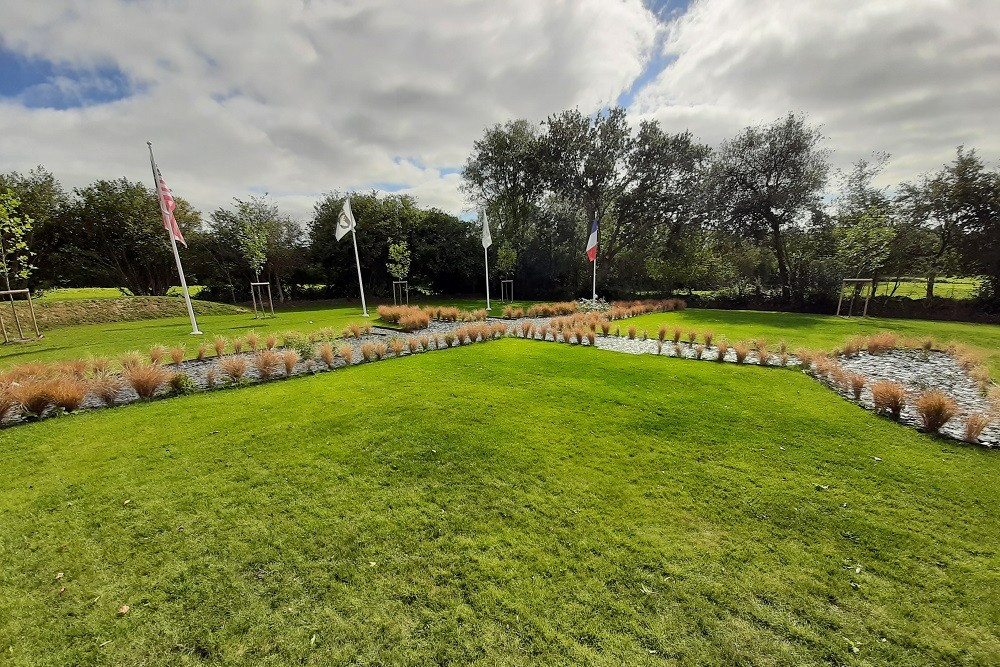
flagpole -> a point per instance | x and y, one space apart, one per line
173 245
357 262
595 276
486 259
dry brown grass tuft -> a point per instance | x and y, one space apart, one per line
936 409
661 334
73 367
219 343
8 401
68 393
271 341
699 351
381 350
130 360
544 331
33 396
346 352
928 344
722 348
397 345
631 332
677 335
889 397
177 354
884 341
591 338
857 383
974 426
525 328
805 358
449 339
202 351
763 356
234 367
741 350
368 351
425 342
106 387
253 340
147 380
267 363
994 398
605 326
238 344
783 359
981 375
211 376
413 345
708 336
289 358
853 346
659 347
99 365
692 337
678 351
156 353
967 357
325 352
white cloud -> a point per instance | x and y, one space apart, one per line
911 77
300 98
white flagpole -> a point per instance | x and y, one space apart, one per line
357 262
595 277
486 260
173 245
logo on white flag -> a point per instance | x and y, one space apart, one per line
345 221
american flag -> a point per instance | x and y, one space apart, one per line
167 205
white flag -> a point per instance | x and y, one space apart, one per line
487 239
345 221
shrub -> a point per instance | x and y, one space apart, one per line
741 350
618 331
698 351
889 397
106 387
677 335
130 360
381 350
219 343
975 425
156 353
181 383
397 345
884 341
253 340
709 335
645 335
479 314
525 327
763 357
346 352
449 339
234 367
631 332
935 409
544 331
202 351
177 354
147 380
67 393
857 383
289 358
661 333
325 352
33 396
268 361
722 348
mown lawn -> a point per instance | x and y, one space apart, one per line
510 503
818 332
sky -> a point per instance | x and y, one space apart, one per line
300 98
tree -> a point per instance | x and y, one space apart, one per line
15 255
766 179
399 260
506 259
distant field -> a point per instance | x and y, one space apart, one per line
945 288
77 293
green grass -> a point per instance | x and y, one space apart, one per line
513 503
77 293
818 332
946 288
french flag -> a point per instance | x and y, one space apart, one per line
592 243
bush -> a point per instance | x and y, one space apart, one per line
412 345
294 340
857 383
709 335
67 393
381 350
425 342
677 335
8 401
699 350
631 333
935 409
181 383
884 341
33 396
238 344
147 380
591 338
661 334
99 365
271 341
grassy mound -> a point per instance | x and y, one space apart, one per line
512 503
67 312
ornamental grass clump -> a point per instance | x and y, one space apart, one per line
591 338
368 351
219 343
857 383
853 346
631 333
156 353
397 345
75 367
763 355
211 377
202 352
346 352
449 339
380 351
884 341
177 354
425 342
253 340
659 347
708 335
147 380
325 352
889 398
355 329
130 360
661 333
692 337
935 409
106 387
722 349
289 358
805 358
7 401
544 331
741 350
67 393
605 326
33 397
645 334
699 350
525 328
783 359
234 367
975 424
677 335
271 341
413 345
238 344
268 362
678 351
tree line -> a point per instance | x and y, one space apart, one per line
763 217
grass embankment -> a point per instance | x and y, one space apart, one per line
819 332
512 503
112 339
101 310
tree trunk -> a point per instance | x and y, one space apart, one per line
779 254
930 285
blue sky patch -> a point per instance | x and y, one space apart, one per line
37 83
